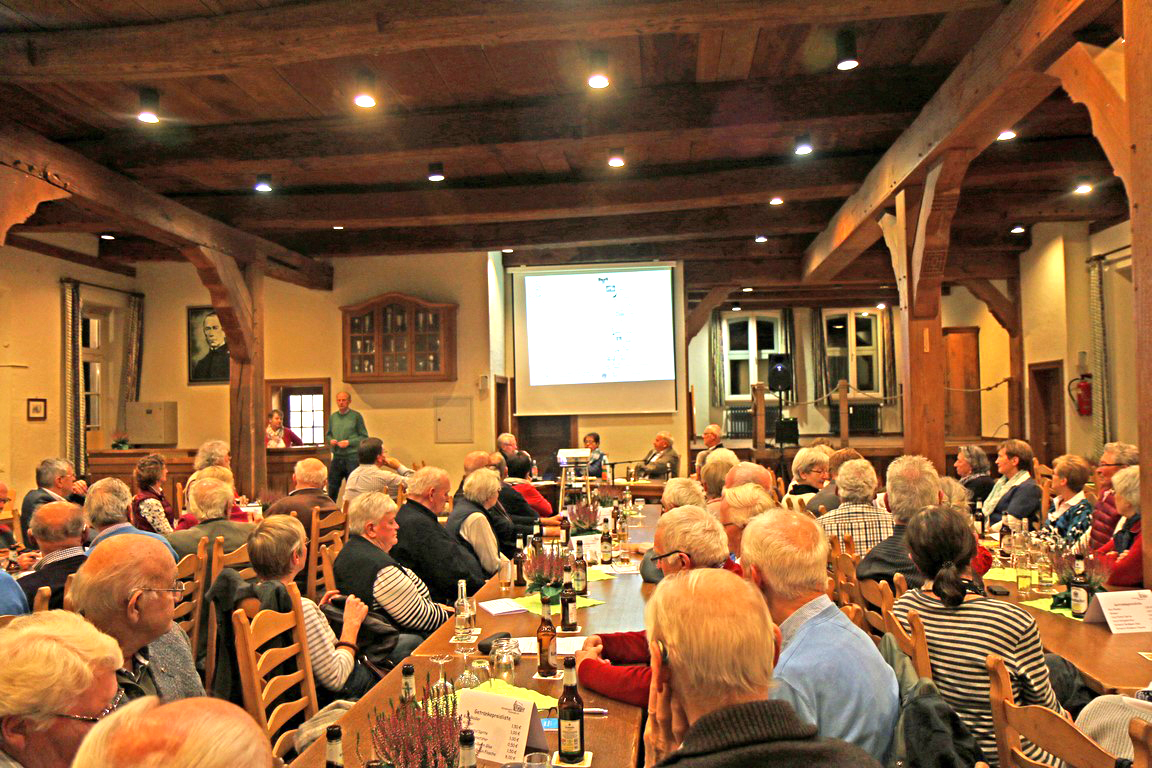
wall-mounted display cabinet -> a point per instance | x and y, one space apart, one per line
394 337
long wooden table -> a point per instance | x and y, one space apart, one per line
614 739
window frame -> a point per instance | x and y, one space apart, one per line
754 354
98 356
274 398
875 350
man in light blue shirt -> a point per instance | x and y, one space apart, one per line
829 670
13 601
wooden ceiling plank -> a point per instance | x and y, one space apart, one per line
997 82
294 33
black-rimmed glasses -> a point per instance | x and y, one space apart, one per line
116 702
658 558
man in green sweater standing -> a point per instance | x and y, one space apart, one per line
345 431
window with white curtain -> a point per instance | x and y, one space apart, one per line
748 338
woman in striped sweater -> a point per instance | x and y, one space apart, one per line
963 627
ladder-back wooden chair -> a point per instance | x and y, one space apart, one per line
855 615
272 655
328 527
914 643
1039 725
845 575
67 604
192 571
1140 731
43 597
178 500
328 554
899 585
875 598
238 559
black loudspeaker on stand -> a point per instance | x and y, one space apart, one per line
779 373
780 381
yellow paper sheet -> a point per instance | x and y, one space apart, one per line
532 603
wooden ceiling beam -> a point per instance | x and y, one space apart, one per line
998 82
68 254
106 194
741 249
301 32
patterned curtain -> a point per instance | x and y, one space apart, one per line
788 321
133 357
716 347
75 416
889 343
819 354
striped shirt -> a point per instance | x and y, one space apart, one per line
960 638
406 599
868 524
330 665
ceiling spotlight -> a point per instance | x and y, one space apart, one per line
761 239
337 226
505 250
1006 135
846 50
881 305
616 158
803 145
1082 188
746 290
365 97
107 236
1018 230
598 71
264 182
735 307
149 106
435 171
776 201
864 314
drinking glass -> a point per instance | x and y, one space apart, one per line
441 687
505 576
537 760
466 679
1021 563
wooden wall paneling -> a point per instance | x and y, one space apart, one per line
962 371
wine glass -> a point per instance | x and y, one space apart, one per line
441 687
467 678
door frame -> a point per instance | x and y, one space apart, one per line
1036 415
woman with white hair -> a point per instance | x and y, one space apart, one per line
809 474
469 519
1125 551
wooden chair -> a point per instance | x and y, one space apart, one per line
270 670
1045 501
220 561
899 585
17 526
1140 731
855 615
801 506
328 526
401 496
40 602
821 511
192 571
849 545
781 490
178 499
67 604
328 554
915 644
845 575
875 599
6 620
1040 725
834 549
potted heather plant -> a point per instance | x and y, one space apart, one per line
545 571
584 520
1096 570
424 735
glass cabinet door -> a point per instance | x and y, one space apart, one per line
362 342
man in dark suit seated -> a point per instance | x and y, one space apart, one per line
59 527
55 481
662 461
310 477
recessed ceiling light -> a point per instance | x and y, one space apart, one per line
149 106
881 305
1018 230
803 145
846 58
776 201
864 314
107 236
598 71
505 250
616 158
735 307
1006 135
761 239
365 97
1083 188
264 183
746 290
435 171
337 226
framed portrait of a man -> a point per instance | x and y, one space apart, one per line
207 347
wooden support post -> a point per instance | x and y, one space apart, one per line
759 408
246 400
1138 54
842 392
20 194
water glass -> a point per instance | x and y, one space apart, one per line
538 760
505 576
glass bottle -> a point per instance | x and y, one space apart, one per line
606 542
467 749
1079 591
408 685
978 518
580 571
565 532
463 609
568 603
334 753
570 708
546 640
518 561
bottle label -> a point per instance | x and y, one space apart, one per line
570 738
1078 599
551 652
579 581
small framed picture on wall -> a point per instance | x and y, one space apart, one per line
37 409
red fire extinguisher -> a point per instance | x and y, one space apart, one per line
1080 390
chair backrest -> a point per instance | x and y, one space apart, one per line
67 603
899 584
801 506
855 615
1140 732
845 575
272 652
6 620
1037 724
178 499
40 602
1045 501
328 526
328 554
17 524
781 491
821 511
834 549
875 598
848 544
401 496
914 643
192 571
220 561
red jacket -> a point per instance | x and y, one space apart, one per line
534 498
1127 567
1104 519
623 674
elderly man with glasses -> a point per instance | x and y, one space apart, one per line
58 679
128 589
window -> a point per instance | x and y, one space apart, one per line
852 345
304 403
95 338
748 339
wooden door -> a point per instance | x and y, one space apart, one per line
1046 410
501 391
962 417
543 436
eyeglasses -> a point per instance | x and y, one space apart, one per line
733 525
176 589
1098 466
116 702
658 558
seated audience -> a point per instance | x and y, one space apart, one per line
616 664
809 473
128 590
662 462
59 528
515 468
702 626
972 468
425 547
377 471
829 670
963 627
106 510
1070 517
912 484
224 475
276 435
310 481
57 679
210 502
827 496
278 549
55 481
711 437
857 514
469 519
1105 518
150 509
681 492
737 508
1016 493
1125 551
506 526
597 459
365 569
13 601
195 733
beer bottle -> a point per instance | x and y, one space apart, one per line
467 749
1079 592
565 532
580 571
518 560
568 603
978 517
606 542
334 756
546 640
538 538
408 685
571 711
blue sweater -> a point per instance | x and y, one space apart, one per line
12 599
833 676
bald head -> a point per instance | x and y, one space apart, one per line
474 461
108 590
196 733
58 525
747 472
310 473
